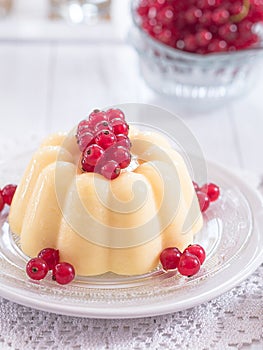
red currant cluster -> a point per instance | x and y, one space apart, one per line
6 195
104 143
48 259
188 263
202 26
206 194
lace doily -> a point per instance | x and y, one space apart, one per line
228 322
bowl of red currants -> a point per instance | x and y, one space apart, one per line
198 49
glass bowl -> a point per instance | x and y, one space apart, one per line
194 76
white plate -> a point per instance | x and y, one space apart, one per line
231 237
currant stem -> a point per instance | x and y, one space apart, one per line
242 14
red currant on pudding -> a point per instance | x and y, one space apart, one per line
123 140
82 125
114 113
8 193
111 170
92 154
104 125
85 140
2 203
211 190
188 265
86 167
122 156
119 126
196 187
37 268
50 256
196 250
169 258
83 130
105 138
63 273
203 200
95 117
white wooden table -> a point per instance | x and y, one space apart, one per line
51 76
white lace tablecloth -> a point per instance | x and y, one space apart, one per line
230 321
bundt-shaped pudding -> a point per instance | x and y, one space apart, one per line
101 222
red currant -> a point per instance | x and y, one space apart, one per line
166 15
92 154
86 167
170 257
105 139
196 250
2 203
104 125
83 130
217 45
196 187
115 113
123 140
111 170
211 190
192 15
220 16
8 193
203 37
185 24
63 273
37 268
204 200
119 127
190 43
122 156
82 125
51 257
85 140
188 265
95 117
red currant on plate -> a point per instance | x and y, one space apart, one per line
8 193
2 202
51 257
37 268
63 273
212 191
188 265
196 250
203 200
170 258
